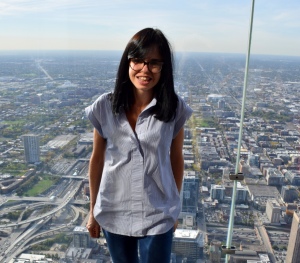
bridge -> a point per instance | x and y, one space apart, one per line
59 202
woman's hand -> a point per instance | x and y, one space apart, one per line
93 227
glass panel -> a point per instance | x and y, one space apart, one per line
58 57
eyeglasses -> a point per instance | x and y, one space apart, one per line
153 65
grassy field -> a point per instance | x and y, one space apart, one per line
199 122
40 187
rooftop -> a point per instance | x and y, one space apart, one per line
80 229
186 234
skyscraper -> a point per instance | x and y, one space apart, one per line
31 148
293 251
188 244
81 237
190 193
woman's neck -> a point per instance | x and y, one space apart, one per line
142 99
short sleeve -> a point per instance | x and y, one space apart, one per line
95 111
183 113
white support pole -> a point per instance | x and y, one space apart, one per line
232 210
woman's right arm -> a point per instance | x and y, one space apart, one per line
95 174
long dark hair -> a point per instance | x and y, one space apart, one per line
164 92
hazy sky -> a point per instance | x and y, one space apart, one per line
190 25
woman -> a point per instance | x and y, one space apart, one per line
136 167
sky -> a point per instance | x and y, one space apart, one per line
190 25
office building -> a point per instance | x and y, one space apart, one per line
289 193
27 258
241 194
217 192
293 176
273 211
81 237
188 244
190 193
249 256
274 177
74 254
253 160
188 221
215 251
293 251
214 98
31 148
221 104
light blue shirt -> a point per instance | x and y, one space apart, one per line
138 195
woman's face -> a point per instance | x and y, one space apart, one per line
143 79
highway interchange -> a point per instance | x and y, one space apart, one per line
22 232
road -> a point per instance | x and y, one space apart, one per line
21 239
42 69
68 198
265 238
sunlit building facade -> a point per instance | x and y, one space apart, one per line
273 211
293 251
31 148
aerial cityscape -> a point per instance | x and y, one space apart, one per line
46 142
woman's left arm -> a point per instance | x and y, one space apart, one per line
176 156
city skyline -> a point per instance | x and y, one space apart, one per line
206 26
45 201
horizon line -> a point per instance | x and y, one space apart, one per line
115 50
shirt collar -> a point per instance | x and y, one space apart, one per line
151 104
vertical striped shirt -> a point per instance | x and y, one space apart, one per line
137 195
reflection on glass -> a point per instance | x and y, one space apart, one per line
44 193
44 203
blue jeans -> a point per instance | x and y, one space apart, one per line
151 249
